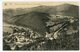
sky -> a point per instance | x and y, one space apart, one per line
14 5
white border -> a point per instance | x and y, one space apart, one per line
38 0
1 28
79 25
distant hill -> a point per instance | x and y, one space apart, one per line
36 17
65 9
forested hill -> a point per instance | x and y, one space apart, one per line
36 17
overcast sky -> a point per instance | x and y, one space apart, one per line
14 5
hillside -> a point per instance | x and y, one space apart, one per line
24 29
17 16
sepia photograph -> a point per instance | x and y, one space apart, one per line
40 26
